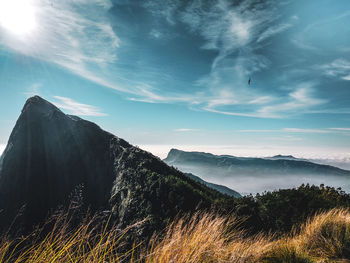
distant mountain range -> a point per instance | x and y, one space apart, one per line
51 156
259 174
283 157
278 164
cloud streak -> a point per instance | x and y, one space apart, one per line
341 129
237 32
185 130
75 35
339 68
79 37
298 130
33 89
77 108
273 30
301 130
300 99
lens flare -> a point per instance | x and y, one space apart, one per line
17 16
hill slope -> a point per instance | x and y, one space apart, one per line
51 155
221 188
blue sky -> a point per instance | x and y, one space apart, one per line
164 74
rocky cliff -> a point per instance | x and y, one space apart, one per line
50 154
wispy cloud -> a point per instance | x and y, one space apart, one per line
156 34
164 8
339 68
75 35
321 25
227 27
300 99
186 130
340 129
298 42
261 100
239 29
273 30
33 89
288 138
257 131
77 108
299 130
78 36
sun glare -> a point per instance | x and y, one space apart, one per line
17 16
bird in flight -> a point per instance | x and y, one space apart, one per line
249 81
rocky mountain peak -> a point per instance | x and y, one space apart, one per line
39 106
50 154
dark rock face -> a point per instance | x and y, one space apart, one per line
49 154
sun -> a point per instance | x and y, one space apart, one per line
17 16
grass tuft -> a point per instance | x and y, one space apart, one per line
203 237
88 242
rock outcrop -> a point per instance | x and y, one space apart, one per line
50 154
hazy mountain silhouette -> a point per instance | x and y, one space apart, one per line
250 166
285 157
50 155
256 175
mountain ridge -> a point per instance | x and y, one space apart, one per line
50 154
256 175
176 155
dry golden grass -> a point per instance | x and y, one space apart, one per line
203 237
327 235
87 243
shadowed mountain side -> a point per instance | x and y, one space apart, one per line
221 188
50 154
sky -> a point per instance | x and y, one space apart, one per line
174 74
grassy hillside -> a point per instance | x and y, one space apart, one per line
324 237
279 211
305 224
203 237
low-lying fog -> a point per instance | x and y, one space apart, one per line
246 184
340 163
